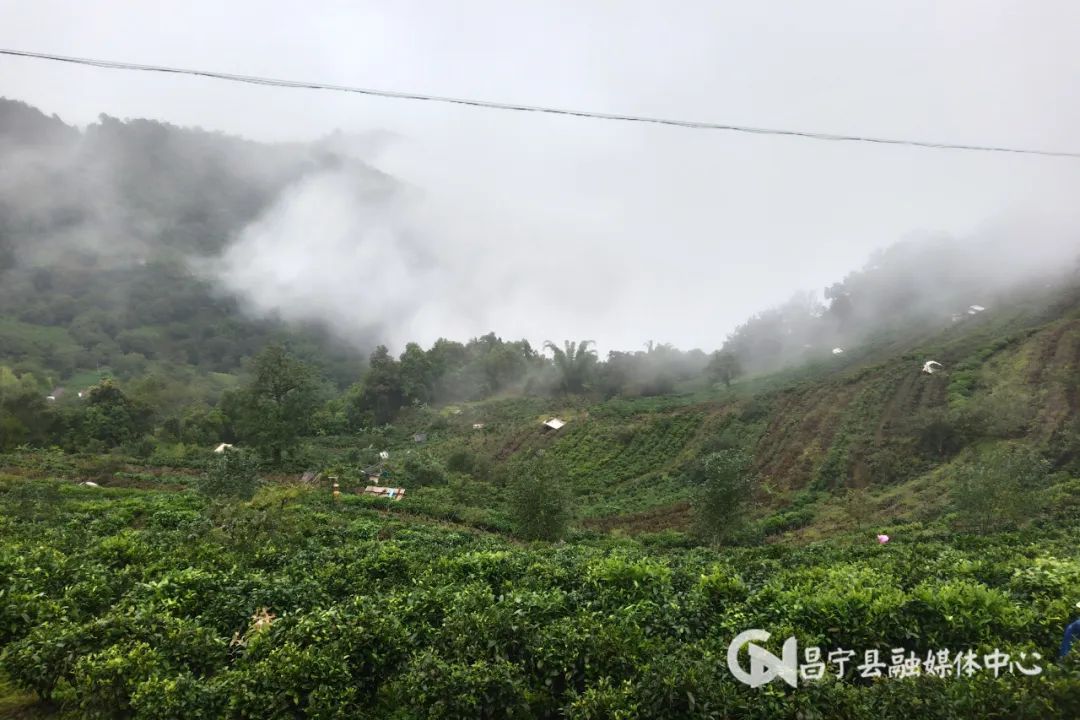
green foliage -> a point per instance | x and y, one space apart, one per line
125 605
654 372
233 473
724 367
275 410
421 469
600 456
464 461
603 701
109 417
24 416
939 432
481 690
1064 445
575 363
725 484
785 520
380 396
999 414
33 499
538 501
998 488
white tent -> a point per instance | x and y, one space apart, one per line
554 423
222 447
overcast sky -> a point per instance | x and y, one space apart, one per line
618 232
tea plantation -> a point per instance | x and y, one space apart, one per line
158 603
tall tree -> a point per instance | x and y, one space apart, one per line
111 417
274 411
381 394
23 411
575 362
417 379
724 367
725 485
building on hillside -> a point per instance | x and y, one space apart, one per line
554 424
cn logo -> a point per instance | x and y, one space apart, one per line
764 666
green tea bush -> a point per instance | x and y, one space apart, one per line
483 690
126 606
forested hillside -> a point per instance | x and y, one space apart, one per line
103 237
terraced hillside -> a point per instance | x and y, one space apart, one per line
869 421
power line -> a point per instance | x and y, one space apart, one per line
255 80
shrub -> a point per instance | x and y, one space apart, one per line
938 432
465 461
440 690
33 500
323 664
604 701
725 483
421 469
999 489
177 696
106 680
230 474
538 501
1001 414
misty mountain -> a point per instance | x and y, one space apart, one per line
110 238
905 291
134 246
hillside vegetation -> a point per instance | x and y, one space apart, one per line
157 595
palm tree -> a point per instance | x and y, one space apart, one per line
574 361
